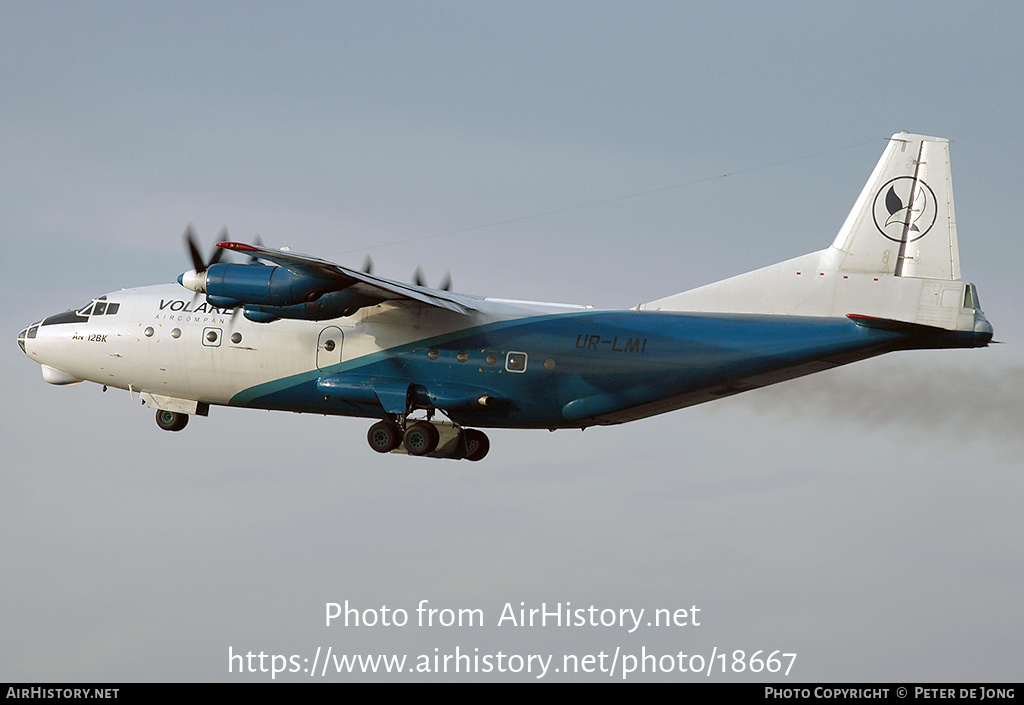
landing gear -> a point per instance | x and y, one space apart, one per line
477 444
384 436
437 439
171 420
421 438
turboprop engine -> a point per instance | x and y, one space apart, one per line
229 285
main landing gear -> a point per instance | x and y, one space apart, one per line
384 436
438 440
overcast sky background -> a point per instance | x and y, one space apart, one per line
867 519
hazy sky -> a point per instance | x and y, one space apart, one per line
866 519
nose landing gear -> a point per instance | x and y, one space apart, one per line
171 420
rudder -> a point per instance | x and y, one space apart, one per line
903 223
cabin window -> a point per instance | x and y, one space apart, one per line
112 309
515 362
211 337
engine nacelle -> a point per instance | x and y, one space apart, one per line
333 304
228 285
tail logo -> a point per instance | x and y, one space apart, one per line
904 209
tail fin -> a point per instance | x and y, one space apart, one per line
903 223
896 256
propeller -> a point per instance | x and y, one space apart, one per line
193 250
196 279
419 280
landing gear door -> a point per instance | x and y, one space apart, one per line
328 347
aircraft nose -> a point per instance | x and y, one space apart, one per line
27 334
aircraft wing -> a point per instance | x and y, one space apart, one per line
360 282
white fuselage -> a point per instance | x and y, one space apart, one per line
164 340
307 335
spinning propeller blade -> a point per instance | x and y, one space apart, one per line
419 280
193 250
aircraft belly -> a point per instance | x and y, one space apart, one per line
388 346
577 369
688 359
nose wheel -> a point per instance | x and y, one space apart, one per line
171 420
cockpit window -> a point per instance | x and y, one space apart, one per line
28 333
98 307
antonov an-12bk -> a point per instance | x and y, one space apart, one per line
317 337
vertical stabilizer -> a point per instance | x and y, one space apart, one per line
903 223
895 257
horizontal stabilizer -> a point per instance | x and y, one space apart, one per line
923 336
893 326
